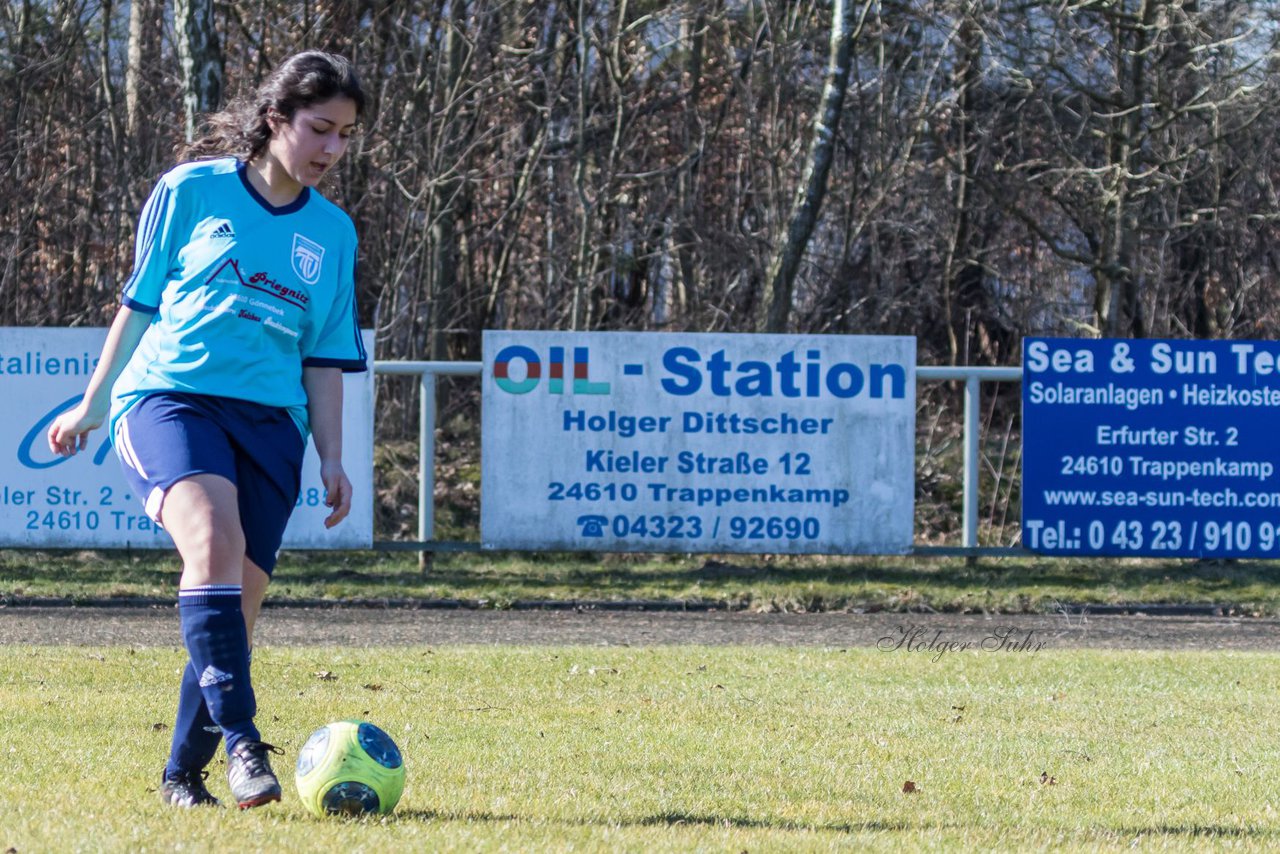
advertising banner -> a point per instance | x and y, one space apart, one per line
48 501
698 442
1163 448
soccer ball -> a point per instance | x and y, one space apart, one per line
349 768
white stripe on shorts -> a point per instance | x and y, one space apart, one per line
121 451
152 507
130 456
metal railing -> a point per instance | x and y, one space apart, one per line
427 372
973 379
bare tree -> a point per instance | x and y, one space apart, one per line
967 171
776 301
144 48
1120 120
200 58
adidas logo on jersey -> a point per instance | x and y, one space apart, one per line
224 231
213 676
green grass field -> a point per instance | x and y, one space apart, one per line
771 583
676 748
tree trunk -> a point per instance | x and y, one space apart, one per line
579 309
445 287
961 274
144 35
1124 308
693 142
775 303
200 58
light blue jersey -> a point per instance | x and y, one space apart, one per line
244 294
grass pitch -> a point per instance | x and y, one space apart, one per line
675 748
753 582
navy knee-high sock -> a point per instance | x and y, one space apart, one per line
195 735
214 631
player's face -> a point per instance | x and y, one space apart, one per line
314 140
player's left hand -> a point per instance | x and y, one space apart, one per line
337 489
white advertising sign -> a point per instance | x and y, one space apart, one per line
47 501
698 442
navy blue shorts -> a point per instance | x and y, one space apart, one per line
169 436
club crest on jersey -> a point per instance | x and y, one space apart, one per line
307 257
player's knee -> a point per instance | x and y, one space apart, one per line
213 544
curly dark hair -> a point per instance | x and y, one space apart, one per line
242 129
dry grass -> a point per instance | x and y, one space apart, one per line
678 749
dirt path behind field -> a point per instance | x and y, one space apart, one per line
924 634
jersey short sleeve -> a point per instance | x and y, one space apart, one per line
153 249
337 343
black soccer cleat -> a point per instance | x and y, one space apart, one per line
186 789
249 774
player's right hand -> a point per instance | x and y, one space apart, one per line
69 432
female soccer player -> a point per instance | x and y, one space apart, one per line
236 325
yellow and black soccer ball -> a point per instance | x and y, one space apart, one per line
349 768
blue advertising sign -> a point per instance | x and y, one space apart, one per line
1161 448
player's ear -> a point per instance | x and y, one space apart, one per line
275 121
